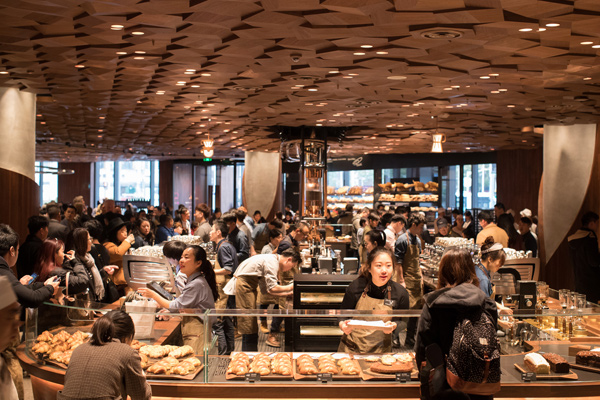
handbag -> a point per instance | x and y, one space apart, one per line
76 313
111 293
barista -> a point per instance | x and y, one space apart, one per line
408 249
374 291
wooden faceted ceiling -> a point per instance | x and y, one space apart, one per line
148 78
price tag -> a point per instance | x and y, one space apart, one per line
403 377
252 377
528 376
325 377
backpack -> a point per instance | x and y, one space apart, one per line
473 362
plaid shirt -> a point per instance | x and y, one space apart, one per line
112 371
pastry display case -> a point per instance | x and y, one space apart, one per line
311 372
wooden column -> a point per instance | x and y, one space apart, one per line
519 174
165 190
556 267
20 200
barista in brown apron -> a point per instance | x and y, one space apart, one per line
414 284
369 340
226 253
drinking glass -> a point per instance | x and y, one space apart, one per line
573 300
580 302
563 297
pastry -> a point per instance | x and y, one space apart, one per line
536 363
181 351
136 344
41 348
404 357
394 368
159 368
557 363
372 358
589 358
45 337
348 367
388 359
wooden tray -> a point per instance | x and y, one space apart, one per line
369 375
187 377
585 367
336 377
270 377
551 376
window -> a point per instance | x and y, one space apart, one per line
127 181
479 186
133 180
46 177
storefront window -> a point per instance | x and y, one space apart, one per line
182 185
450 184
105 175
484 186
156 179
134 180
239 182
227 187
47 178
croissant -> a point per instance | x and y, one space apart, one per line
350 370
62 346
41 348
307 369
45 337
170 361
194 361
261 370
158 368
237 369
328 368
181 351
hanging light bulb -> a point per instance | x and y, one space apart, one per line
438 139
208 153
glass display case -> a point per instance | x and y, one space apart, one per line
350 187
532 331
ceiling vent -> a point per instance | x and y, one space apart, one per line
442 33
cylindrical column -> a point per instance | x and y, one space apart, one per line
17 160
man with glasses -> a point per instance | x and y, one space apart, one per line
298 234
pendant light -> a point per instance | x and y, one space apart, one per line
438 139
208 143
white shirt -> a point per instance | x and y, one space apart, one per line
265 266
390 237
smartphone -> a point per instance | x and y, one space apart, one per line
56 279
33 278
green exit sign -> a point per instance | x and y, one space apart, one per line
207 159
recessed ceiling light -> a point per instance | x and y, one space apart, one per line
333 72
138 58
313 90
396 77
494 74
367 46
181 82
100 130
495 91
542 30
205 74
359 53
79 66
587 78
455 87
195 86
503 90
586 43
524 141
448 88
353 74
511 106
139 52
121 53
38 115
484 77
525 30
347 77
3 72
596 46
116 27
137 33
101 117
552 25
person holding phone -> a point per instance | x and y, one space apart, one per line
52 261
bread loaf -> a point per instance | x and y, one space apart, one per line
536 363
557 363
589 358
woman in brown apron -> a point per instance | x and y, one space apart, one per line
376 292
199 294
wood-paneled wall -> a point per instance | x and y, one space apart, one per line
77 184
165 190
20 200
558 271
519 173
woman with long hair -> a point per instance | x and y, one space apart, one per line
457 294
82 242
117 243
143 233
52 261
199 293
492 258
375 291
107 367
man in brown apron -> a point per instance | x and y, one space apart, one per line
262 269
226 263
363 341
408 249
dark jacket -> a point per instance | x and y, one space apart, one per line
78 278
56 230
28 296
440 314
163 233
585 259
27 255
241 244
469 231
